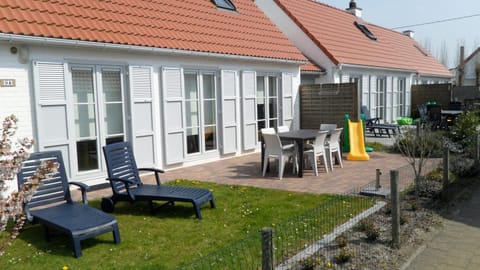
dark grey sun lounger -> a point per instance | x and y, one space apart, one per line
126 184
52 205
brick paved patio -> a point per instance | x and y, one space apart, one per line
245 170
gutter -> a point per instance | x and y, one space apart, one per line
45 41
340 66
313 72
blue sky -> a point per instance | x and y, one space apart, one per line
395 13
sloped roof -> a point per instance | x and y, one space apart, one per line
334 31
191 25
471 56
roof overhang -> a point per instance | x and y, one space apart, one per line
46 41
343 65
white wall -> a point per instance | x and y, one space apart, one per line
470 71
15 100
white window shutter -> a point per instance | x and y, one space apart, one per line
142 114
249 109
373 96
52 110
229 111
408 96
366 90
173 114
287 99
389 96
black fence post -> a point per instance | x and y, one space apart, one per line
395 204
446 167
477 147
378 172
267 249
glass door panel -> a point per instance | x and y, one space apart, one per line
192 113
209 112
272 102
113 105
85 116
260 105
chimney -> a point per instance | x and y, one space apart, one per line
409 33
354 10
461 66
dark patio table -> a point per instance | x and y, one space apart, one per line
299 136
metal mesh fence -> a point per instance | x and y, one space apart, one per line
353 230
244 254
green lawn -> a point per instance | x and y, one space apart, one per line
172 236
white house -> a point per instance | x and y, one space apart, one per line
383 62
470 70
184 81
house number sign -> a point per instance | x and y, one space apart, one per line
7 82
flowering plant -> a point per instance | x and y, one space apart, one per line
13 152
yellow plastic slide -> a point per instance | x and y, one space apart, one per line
357 144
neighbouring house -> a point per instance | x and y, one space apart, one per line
185 81
468 71
384 63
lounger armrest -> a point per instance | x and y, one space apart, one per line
127 184
156 171
83 188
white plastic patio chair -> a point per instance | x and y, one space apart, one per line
333 146
275 149
283 129
267 131
317 150
328 126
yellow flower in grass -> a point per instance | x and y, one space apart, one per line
65 267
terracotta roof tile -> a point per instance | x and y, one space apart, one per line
333 30
195 25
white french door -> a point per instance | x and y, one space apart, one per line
98 113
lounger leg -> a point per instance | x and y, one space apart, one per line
116 234
197 210
212 203
150 205
77 249
47 233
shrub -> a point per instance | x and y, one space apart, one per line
465 126
310 263
372 232
462 166
344 255
342 240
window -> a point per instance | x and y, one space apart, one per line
200 110
225 4
267 102
399 97
365 31
380 97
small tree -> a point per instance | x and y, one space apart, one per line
13 152
417 146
